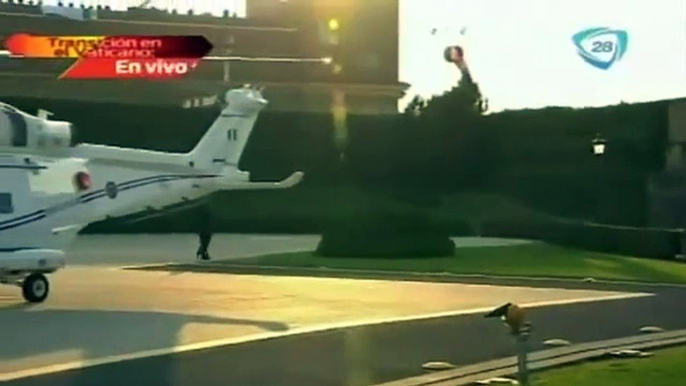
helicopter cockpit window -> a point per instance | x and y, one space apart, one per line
6 206
19 129
75 138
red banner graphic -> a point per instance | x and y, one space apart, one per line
110 57
107 68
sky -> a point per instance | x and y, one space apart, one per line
522 55
521 51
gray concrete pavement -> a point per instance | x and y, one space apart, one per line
369 355
97 314
100 315
116 250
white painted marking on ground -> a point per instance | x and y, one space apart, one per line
296 331
271 238
408 274
480 242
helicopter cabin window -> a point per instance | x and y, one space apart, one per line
6 206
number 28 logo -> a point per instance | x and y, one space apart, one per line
601 47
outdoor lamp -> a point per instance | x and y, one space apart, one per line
599 145
511 314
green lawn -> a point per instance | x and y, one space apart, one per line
665 368
523 260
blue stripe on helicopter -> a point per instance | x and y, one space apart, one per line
41 214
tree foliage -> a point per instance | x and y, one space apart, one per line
464 100
444 144
445 137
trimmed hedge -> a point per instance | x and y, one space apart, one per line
287 224
615 195
630 241
186 223
387 236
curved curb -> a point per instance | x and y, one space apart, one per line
250 269
542 360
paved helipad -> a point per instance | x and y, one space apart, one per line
99 313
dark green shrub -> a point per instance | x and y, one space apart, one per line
385 235
630 241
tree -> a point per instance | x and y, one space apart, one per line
416 106
463 100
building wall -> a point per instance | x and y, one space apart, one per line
366 44
367 51
676 152
667 190
320 100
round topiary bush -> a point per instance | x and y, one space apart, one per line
385 235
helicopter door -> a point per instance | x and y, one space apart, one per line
15 197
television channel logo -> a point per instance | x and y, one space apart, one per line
601 47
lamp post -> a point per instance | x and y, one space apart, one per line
227 48
330 32
515 318
598 146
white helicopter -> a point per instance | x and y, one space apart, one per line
51 188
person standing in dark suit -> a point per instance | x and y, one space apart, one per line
204 233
